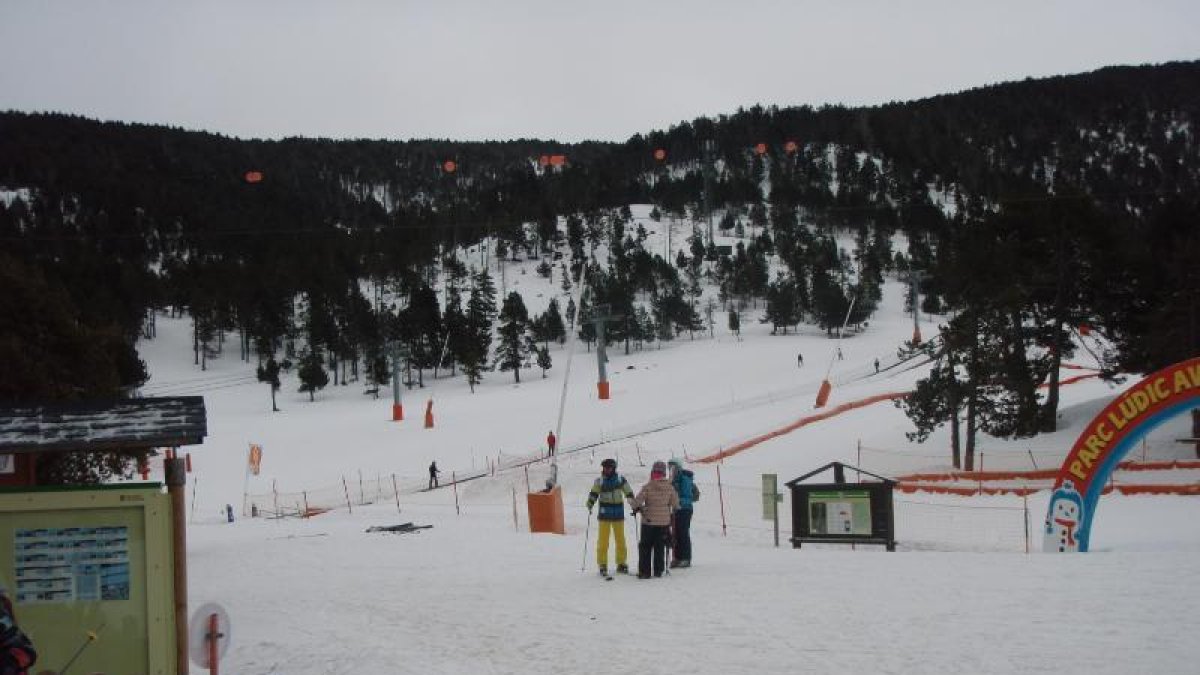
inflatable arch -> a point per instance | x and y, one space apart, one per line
1104 442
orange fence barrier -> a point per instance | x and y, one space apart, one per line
803 421
1041 474
964 491
1184 490
1072 380
1193 489
1159 466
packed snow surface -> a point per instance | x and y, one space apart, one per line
478 593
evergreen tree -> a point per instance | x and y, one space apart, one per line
571 312
481 312
514 346
783 309
566 280
553 323
543 360
587 329
269 373
312 374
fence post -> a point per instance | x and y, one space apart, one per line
1025 500
397 491
275 497
346 488
305 495
362 497
516 527
192 516
721 495
454 482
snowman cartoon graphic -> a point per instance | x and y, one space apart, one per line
1063 519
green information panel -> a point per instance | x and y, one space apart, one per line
92 561
845 512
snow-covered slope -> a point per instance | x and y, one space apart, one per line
478 593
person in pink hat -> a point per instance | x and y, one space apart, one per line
656 501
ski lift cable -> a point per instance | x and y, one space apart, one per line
562 399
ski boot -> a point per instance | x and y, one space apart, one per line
604 570
622 569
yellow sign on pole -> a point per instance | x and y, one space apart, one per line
92 567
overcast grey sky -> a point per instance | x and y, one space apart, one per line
561 69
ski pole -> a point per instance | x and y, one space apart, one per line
586 536
92 636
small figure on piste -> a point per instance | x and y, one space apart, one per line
551 441
433 475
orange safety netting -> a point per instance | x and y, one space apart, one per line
964 491
1185 489
803 421
1041 474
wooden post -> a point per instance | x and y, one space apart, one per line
397 491
192 515
1025 500
516 526
275 497
454 484
213 637
775 511
305 495
346 489
721 496
176 477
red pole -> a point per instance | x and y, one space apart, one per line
212 637
721 494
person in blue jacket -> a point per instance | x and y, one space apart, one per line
683 482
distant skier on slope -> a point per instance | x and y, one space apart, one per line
433 475
610 489
659 501
551 441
